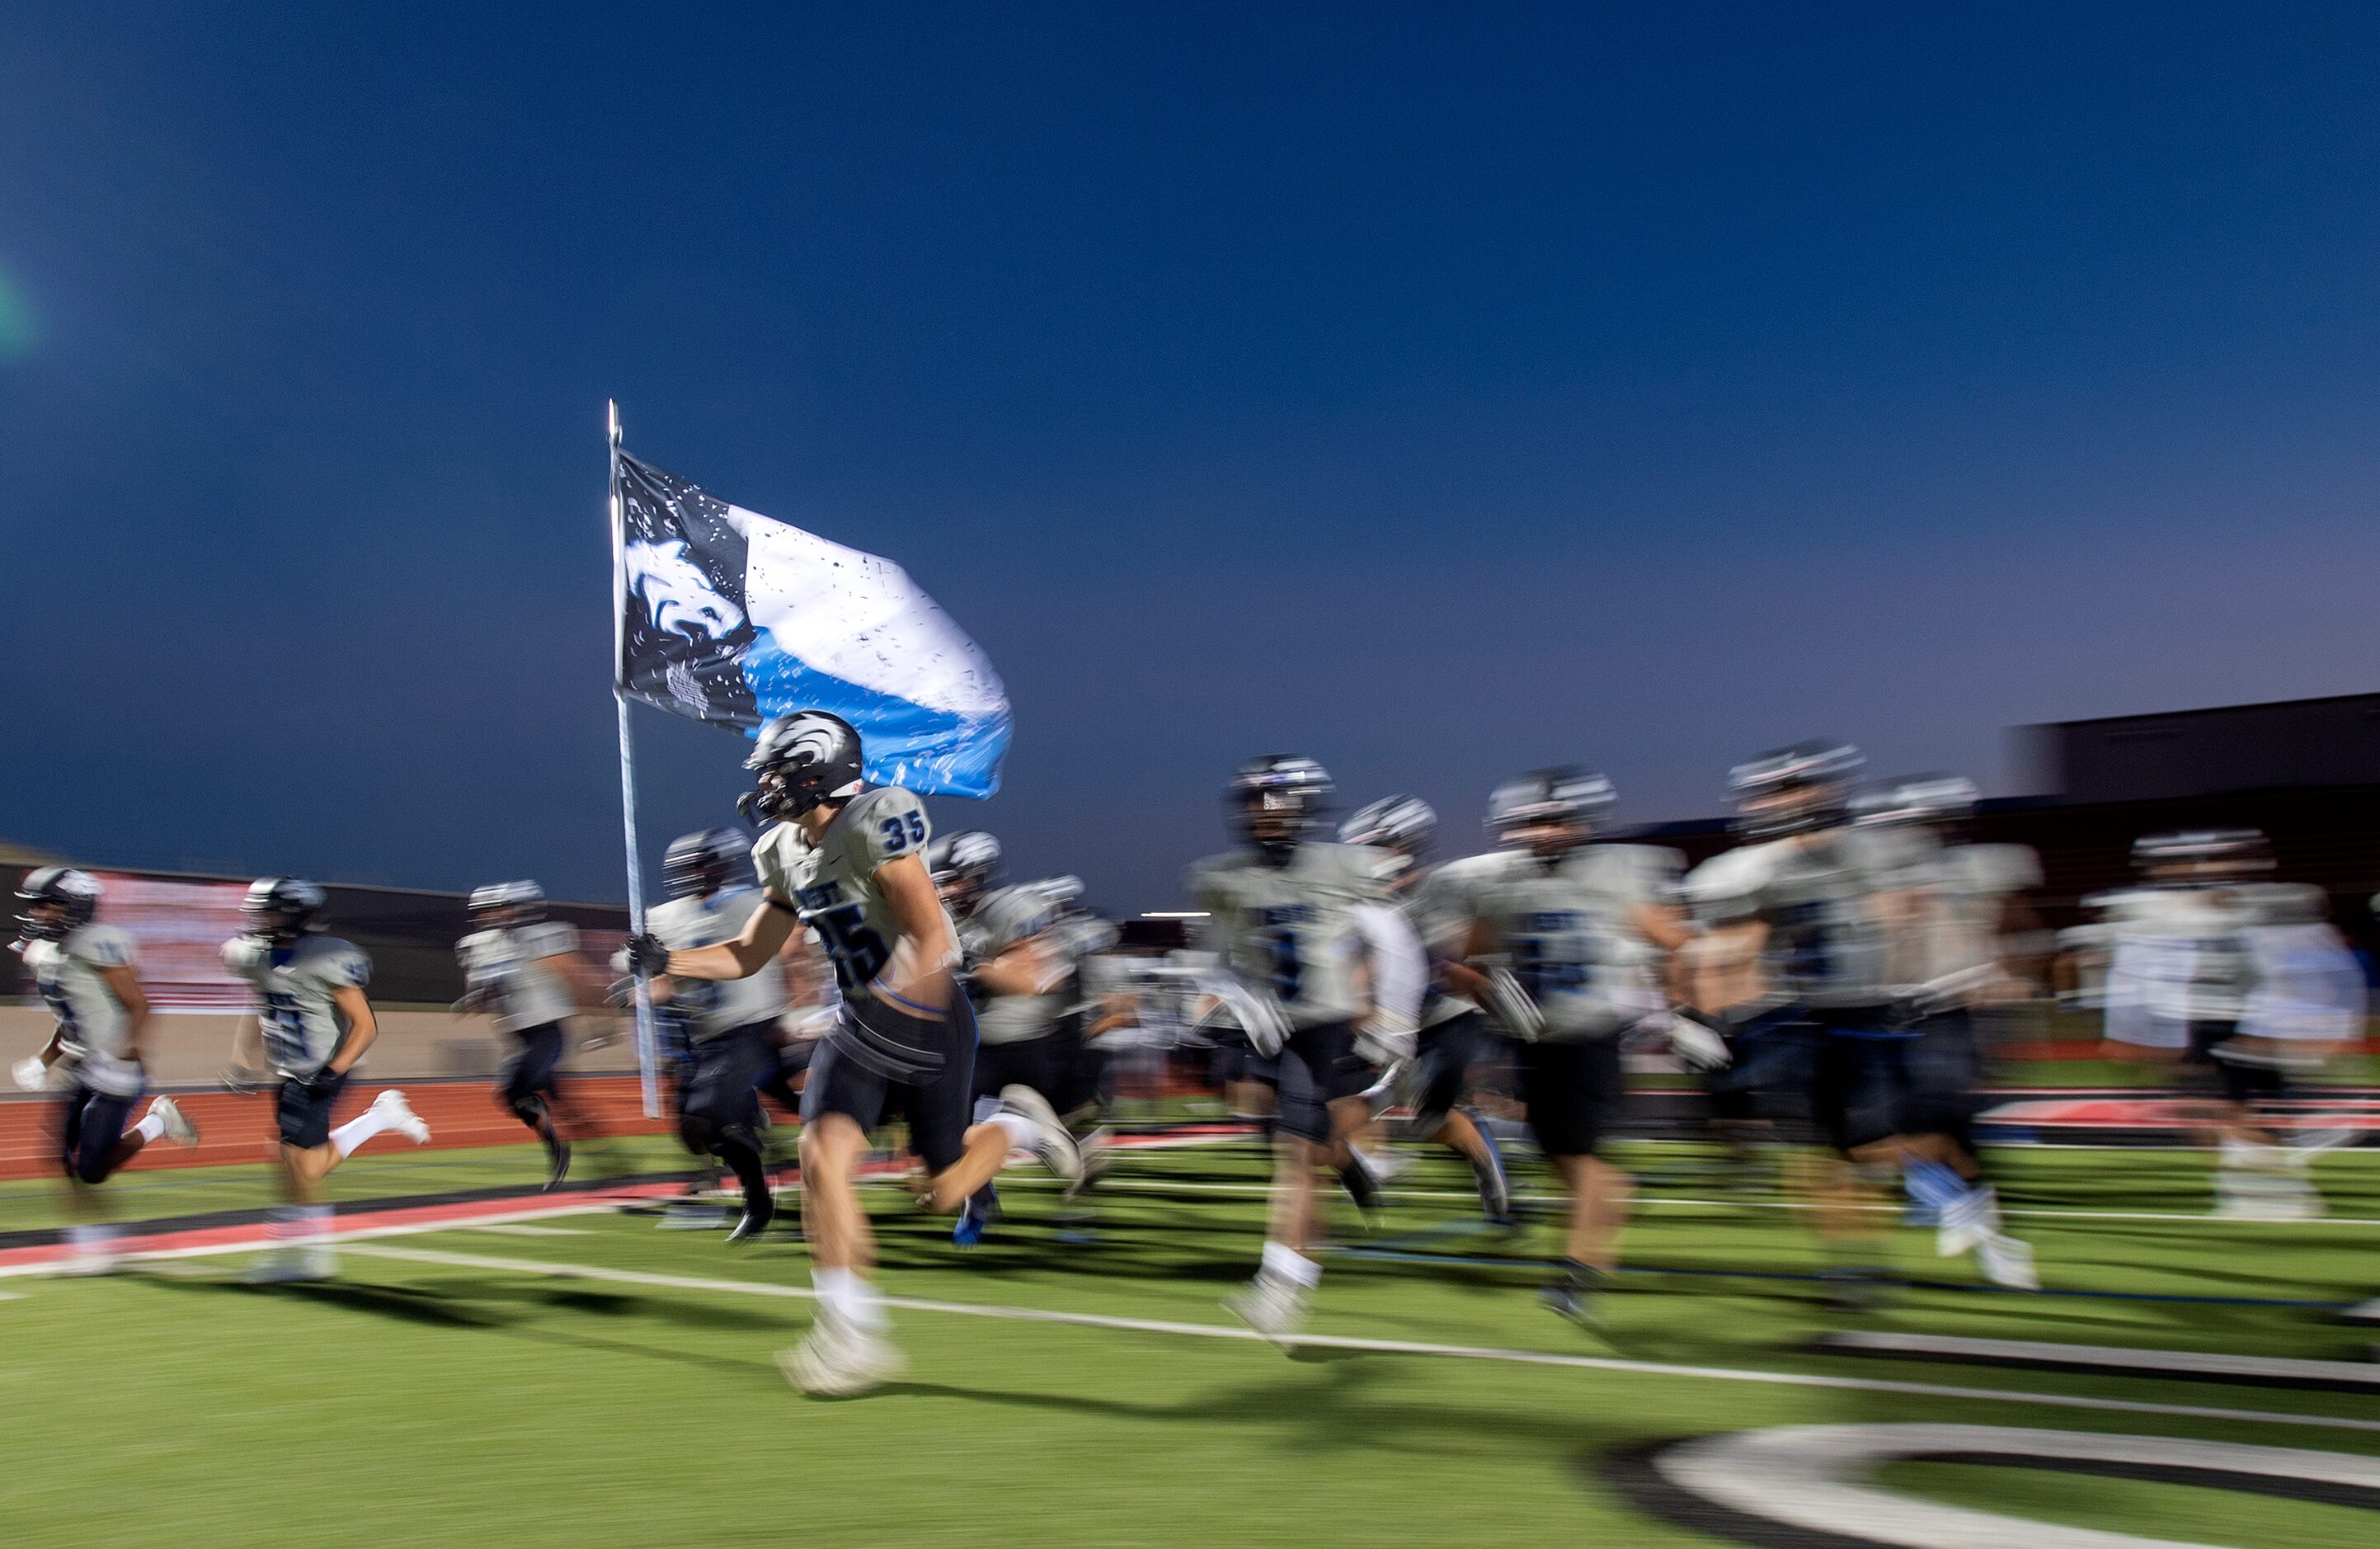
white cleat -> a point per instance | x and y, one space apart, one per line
92 1253
178 1129
1271 1306
2008 1263
837 1359
1967 1222
392 1105
293 1266
1050 1142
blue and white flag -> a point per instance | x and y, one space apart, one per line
730 616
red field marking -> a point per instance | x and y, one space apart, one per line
233 1129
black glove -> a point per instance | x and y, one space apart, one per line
647 956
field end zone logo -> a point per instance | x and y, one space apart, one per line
1801 1486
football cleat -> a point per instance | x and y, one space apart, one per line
1097 1152
399 1115
557 1160
2007 1262
759 1209
1495 1187
1051 1143
839 1360
1270 1305
975 1216
178 1129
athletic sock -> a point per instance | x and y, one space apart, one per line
1022 1133
86 1236
1933 1185
1284 1262
280 1221
846 1294
150 1128
357 1130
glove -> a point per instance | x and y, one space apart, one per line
1694 1041
30 1073
1512 1005
647 958
241 1081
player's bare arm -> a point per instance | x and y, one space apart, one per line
362 1028
916 980
125 985
764 936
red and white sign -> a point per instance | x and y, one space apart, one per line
178 929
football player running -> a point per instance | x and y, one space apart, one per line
1017 972
1564 942
87 976
1451 1027
731 1025
523 970
1279 916
312 1023
2238 985
849 861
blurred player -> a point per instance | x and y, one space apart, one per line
1280 918
848 861
2238 984
1019 949
1962 904
1564 942
85 975
313 1023
1794 959
523 970
1450 1026
731 1025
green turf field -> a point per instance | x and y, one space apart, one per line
442 1392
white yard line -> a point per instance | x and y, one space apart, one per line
522 1229
1382 1346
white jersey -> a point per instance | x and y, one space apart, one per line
1399 967
1289 928
1563 929
1004 920
1439 907
302 1024
70 974
716 1006
833 882
1828 942
2307 985
510 968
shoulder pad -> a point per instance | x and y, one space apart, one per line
244 955
892 823
102 947
333 961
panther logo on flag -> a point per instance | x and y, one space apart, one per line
677 596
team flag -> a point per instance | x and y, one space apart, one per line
730 616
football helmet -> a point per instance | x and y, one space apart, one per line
504 904
1404 824
1548 810
965 865
696 865
65 898
283 908
1276 801
1794 790
1919 799
2203 855
801 758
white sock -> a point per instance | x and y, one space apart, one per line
87 1235
850 1296
280 1221
357 1130
1284 1263
984 1108
313 1224
1022 1133
150 1128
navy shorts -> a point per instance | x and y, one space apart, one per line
528 1075
726 1068
303 1109
1859 1081
1573 1091
1316 1065
1442 1059
850 1076
1945 1068
89 1124
1053 1065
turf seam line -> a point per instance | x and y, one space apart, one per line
1382 1346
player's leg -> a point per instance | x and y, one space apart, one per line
845 1351
1443 1071
997 1065
1573 1093
1856 1095
530 1089
1274 1303
720 1118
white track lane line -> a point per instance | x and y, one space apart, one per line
1379 1347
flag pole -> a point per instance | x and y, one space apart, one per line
648 1080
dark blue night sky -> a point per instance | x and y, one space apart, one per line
1435 391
